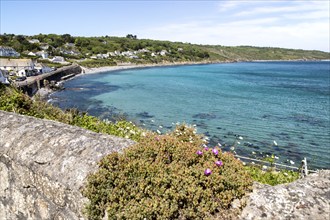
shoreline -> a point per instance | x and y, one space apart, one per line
125 66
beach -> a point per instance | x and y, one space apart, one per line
124 66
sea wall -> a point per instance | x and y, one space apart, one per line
34 83
43 165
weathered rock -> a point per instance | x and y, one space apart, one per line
306 198
43 165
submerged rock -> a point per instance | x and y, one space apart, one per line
204 116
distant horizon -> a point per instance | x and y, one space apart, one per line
277 24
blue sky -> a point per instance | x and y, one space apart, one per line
290 24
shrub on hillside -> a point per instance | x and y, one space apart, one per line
13 100
166 177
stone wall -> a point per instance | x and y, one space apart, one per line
304 199
43 165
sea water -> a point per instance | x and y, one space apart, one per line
278 108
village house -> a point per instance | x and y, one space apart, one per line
42 54
16 65
69 44
111 54
34 41
163 52
31 54
127 53
69 52
42 68
58 59
143 51
44 46
8 52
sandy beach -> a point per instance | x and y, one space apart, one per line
134 66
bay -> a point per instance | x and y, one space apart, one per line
262 102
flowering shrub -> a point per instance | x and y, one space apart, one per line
166 177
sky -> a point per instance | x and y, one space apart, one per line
298 24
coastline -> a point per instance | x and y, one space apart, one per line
125 66
137 66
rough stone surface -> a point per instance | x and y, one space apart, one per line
43 165
306 198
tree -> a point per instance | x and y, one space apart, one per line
67 38
131 36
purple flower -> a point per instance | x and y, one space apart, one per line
207 172
219 163
206 148
215 151
199 152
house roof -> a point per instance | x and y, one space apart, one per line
15 62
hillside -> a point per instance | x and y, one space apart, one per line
105 50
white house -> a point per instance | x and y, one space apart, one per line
42 54
34 41
3 79
143 51
127 53
31 54
22 72
42 68
16 64
8 52
163 53
58 59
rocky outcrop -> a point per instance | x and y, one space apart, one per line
306 198
43 165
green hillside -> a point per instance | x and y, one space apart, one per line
105 50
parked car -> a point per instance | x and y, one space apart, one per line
22 78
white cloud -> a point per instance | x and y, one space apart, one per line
300 24
227 5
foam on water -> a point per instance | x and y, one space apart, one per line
288 102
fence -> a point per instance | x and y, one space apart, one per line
303 169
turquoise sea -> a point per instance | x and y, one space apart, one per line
262 102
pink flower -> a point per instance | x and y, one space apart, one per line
207 172
215 151
206 148
219 163
199 152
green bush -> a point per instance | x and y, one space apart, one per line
270 176
162 177
13 100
